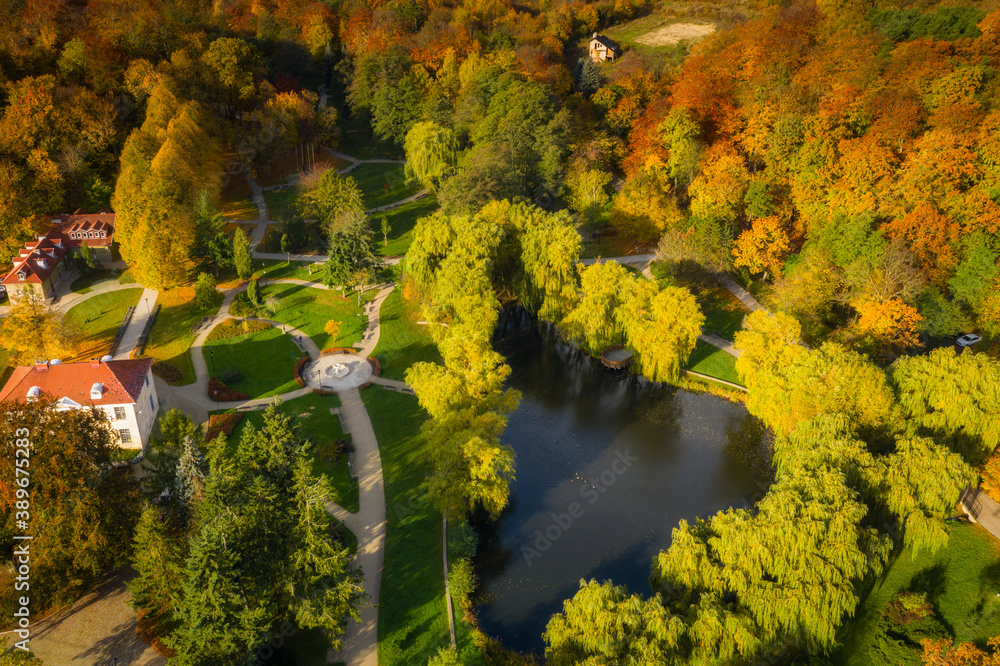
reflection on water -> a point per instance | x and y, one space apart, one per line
606 467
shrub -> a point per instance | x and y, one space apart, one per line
167 372
462 581
907 607
230 375
222 423
218 391
298 370
242 307
205 293
376 366
231 328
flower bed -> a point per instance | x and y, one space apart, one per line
231 328
219 392
298 370
337 350
222 423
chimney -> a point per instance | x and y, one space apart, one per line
95 362
595 36
41 366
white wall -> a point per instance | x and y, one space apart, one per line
139 417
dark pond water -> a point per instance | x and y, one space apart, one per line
606 467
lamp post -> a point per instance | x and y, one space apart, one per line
147 305
211 353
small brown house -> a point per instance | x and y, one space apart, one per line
602 48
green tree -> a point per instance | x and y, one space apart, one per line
159 550
595 321
587 192
661 328
430 154
588 76
385 228
253 292
350 249
333 200
86 260
232 62
205 293
242 255
605 624
951 398
190 482
213 248
262 556
286 248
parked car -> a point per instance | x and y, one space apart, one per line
3 293
968 339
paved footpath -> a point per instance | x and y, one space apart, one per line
143 309
368 525
98 628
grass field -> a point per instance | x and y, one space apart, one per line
309 309
714 362
961 581
265 359
274 269
236 201
373 178
96 321
401 223
402 342
83 285
171 336
319 426
6 366
412 619
278 201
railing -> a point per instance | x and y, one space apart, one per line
970 500
121 330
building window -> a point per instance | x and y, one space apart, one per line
147 379
152 405
119 413
91 234
126 435
104 234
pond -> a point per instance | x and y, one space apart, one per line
607 464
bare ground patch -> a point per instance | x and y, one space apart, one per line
676 33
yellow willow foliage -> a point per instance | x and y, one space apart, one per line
661 327
954 397
595 322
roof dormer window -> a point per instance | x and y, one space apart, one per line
33 393
21 275
104 234
96 391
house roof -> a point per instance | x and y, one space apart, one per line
122 380
606 41
38 259
77 227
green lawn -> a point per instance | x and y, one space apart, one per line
171 336
319 426
412 619
401 223
96 321
6 366
309 309
372 179
276 268
712 361
402 342
83 285
961 581
266 360
278 201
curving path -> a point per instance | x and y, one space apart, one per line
369 523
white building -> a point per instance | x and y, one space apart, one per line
123 389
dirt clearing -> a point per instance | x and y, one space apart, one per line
675 33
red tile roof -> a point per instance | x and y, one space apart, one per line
85 228
123 381
38 259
